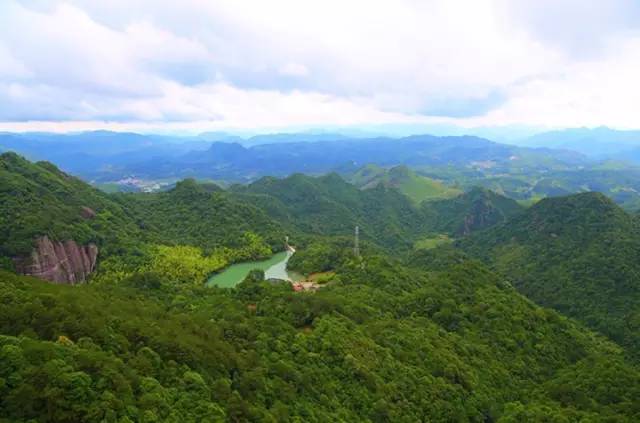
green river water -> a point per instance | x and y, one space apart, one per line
274 267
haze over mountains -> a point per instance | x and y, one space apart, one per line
599 142
128 161
119 153
108 156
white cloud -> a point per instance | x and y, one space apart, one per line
242 63
294 69
585 94
10 67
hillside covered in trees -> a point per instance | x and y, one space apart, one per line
471 211
579 255
397 334
386 343
417 187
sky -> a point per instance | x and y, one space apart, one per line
198 65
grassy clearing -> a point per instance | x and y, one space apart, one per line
432 242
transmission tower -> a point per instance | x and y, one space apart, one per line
356 244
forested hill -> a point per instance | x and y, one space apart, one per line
37 199
329 205
469 212
430 335
383 343
203 215
578 254
417 187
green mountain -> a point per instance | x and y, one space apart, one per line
203 215
476 209
328 205
415 186
61 229
579 255
430 335
37 199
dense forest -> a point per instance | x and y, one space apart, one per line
38 199
329 205
579 255
386 343
458 332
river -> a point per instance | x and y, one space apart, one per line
274 267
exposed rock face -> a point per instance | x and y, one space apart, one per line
59 262
87 213
481 215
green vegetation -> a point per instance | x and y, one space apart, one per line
382 343
432 242
578 254
324 255
205 216
474 210
38 199
184 264
417 187
329 205
423 334
531 182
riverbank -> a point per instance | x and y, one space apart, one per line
313 282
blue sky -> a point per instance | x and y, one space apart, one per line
197 65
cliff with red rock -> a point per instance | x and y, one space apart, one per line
59 262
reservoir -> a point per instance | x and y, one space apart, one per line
274 267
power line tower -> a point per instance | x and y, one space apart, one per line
356 244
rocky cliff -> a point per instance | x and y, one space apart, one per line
481 215
59 262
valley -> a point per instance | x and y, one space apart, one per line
490 309
245 211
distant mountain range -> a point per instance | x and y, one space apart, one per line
599 142
236 162
109 156
421 166
88 154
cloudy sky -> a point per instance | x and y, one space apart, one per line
200 65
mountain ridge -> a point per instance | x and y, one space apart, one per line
417 187
394 335
579 254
